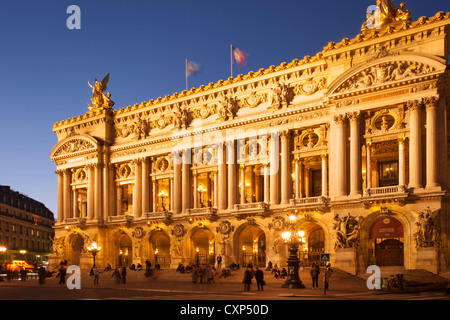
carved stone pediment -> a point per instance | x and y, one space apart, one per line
383 73
73 146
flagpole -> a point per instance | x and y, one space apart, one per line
185 72
231 59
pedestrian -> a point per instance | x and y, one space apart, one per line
315 276
327 276
210 274
62 274
96 274
248 275
259 277
41 274
195 276
124 275
219 261
116 275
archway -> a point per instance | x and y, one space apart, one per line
386 240
252 246
203 247
160 249
123 250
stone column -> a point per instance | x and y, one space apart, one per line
341 161
195 183
119 200
432 140
176 183
266 183
324 175
90 193
222 179
415 145
231 164
98 192
154 195
355 155
67 191
137 202
75 211
274 167
401 162
145 186
186 183
216 186
298 178
60 174
242 184
286 178
369 165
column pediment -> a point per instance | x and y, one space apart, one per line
390 70
74 145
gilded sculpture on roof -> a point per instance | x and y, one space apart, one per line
99 98
385 14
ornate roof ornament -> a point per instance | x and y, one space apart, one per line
385 13
99 98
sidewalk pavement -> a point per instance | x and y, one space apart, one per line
172 282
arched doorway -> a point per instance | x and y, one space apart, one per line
252 246
76 246
160 249
386 242
124 251
203 247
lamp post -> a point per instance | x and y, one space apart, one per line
198 260
156 257
94 248
293 238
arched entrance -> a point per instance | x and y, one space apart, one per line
160 249
313 244
76 248
386 242
203 247
252 246
123 251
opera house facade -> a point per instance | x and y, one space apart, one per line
351 141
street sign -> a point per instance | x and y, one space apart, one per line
324 257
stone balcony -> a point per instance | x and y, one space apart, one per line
126 218
314 203
251 207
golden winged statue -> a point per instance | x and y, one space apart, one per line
99 98
386 14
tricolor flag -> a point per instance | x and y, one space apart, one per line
240 57
191 68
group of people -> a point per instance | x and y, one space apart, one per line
315 271
249 274
204 274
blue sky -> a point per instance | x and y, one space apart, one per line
45 67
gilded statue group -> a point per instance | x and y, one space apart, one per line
387 13
99 98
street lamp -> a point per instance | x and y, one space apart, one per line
198 259
293 238
156 257
94 248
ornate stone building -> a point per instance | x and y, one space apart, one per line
353 141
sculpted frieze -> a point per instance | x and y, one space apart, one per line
385 73
311 86
73 146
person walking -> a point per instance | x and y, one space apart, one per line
116 275
219 261
195 276
315 276
248 276
96 274
259 277
62 274
124 275
42 272
327 276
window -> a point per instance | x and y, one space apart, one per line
388 173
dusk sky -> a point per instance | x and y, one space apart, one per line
45 67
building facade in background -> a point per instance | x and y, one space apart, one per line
26 228
352 141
